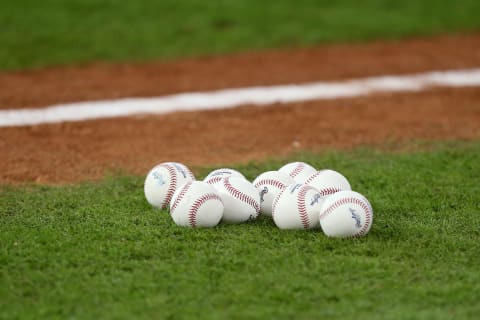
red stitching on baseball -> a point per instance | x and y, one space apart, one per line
365 207
368 221
329 191
302 208
172 186
214 179
270 182
181 195
324 191
313 176
240 195
192 215
275 201
297 170
190 173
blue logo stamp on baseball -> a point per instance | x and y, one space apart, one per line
356 217
316 199
263 193
295 187
159 178
180 169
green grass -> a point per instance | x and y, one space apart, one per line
40 33
99 251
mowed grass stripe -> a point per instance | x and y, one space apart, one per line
99 250
50 32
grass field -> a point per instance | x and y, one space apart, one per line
99 251
40 33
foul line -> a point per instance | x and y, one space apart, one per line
223 99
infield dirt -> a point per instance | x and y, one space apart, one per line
71 152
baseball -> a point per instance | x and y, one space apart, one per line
296 207
299 171
196 204
346 214
327 182
269 184
216 176
240 198
163 180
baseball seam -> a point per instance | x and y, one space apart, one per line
275 202
368 221
362 204
240 195
297 170
190 173
329 191
313 176
192 214
180 196
270 182
172 186
214 179
302 208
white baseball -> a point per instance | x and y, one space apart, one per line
240 198
299 171
196 204
327 182
163 180
346 214
269 184
214 178
296 207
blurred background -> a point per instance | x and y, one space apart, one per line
55 32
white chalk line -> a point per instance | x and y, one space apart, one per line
230 98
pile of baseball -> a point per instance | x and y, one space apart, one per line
297 196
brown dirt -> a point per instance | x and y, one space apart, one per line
71 152
101 81
78 151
